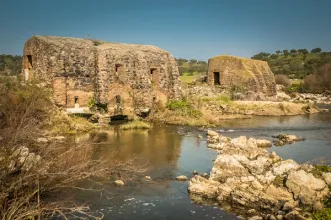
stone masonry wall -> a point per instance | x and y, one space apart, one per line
252 75
129 78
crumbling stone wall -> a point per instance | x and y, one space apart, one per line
137 75
252 75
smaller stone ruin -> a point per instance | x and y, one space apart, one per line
247 74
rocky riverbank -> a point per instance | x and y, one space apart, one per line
259 184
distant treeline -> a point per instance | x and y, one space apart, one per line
296 63
10 65
191 67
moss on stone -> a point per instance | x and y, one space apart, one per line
320 169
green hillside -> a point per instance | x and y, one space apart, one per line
295 63
191 69
10 65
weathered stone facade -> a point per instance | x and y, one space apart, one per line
128 78
253 75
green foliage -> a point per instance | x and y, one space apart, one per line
296 87
279 181
135 125
191 66
320 169
10 65
92 103
316 50
295 63
183 107
178 104
322 214
293 51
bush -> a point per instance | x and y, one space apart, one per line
296 87
178 104
183 107
282 79
23 109
319 81
31 173
235 90
322 214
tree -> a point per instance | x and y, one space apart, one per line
303 51
316 50
278 52
293 51
261 56
193 61
273 56
286 53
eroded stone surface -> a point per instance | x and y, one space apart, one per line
248 176
128 78
254 75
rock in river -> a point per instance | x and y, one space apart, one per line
119 182
246 175
181 178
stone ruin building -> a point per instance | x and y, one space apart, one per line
127 78
252 75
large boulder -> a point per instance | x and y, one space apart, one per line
226 166
306 187
284 166
202 186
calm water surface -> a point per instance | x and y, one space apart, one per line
175 150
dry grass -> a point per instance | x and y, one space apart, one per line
28 185
61 123
135 125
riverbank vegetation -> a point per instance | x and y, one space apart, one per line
33 173
136 124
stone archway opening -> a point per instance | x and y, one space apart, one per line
28 67
217 79
154 77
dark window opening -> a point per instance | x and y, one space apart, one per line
153 76
29 61
217 80
117 66
152 71
76 99
118 99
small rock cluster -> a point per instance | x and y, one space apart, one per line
318 98
266 186
283 139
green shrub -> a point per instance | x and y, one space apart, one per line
320 169
296 87
92 103
183 107
322 214
178 104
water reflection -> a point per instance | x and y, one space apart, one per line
173 150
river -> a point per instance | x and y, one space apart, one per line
176 150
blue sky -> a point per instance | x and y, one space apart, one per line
189 29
